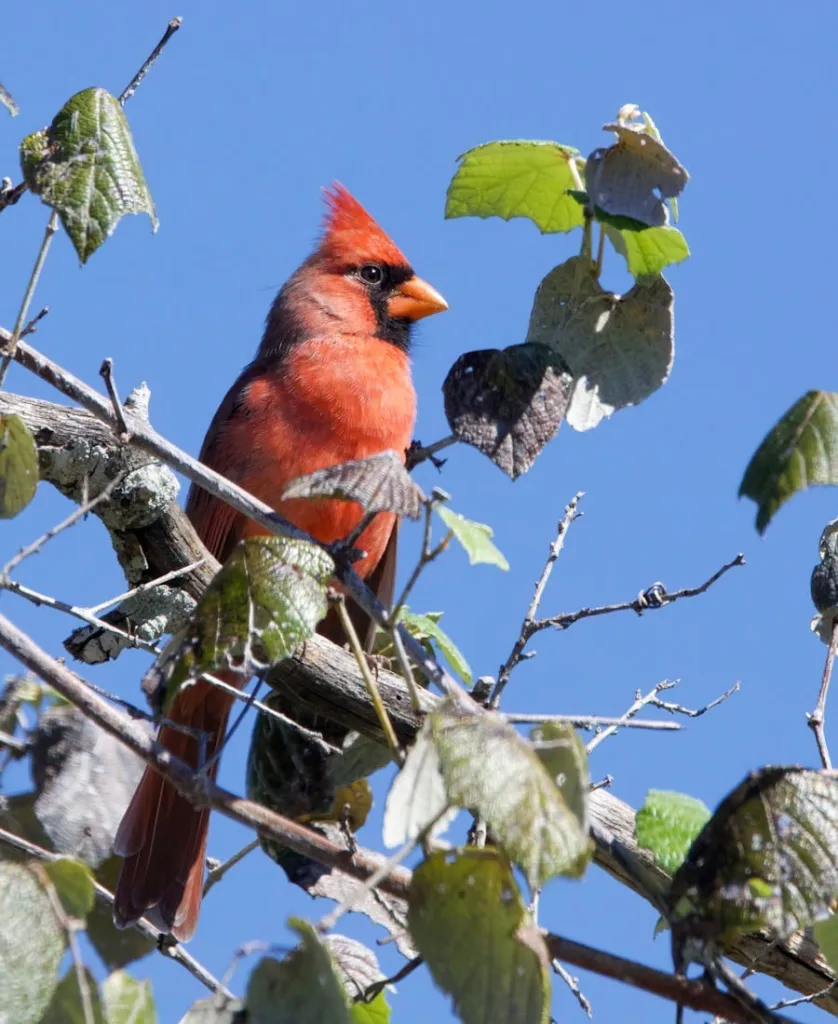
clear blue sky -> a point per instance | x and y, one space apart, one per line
252 109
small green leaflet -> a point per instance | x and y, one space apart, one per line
799 451
73 882
128 1001
517 178
427 627
667 824
476 538
649 251
265 601
18 466
468 921
85 167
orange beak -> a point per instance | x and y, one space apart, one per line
415 298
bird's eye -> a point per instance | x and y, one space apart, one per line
372 273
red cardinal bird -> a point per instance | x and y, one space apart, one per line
330 383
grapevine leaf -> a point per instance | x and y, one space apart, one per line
667 825
18 466
476 538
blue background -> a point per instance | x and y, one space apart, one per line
250 111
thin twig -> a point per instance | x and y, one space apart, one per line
652 598
679 709
17 330
174 951
217 873
593 721
427 556
339 604
9 196
638 705
18 748
407 672
106 373
32 326
573 984
372 991
131 88
527 626
418 453
143 587
817 717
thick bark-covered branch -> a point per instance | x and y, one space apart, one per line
328 680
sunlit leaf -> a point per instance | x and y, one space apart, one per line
491 770
469 923
476 538
426 627
667 825
74 884
767 859
67 1005
417 796
128 1001
18 466
264 602
377 1011
31 945
649 251
85 166
508 403
799 451
379 483
517 178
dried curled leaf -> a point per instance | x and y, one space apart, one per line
799 451
379 483
18 466
469 923
85 167
508 403
768 858
618 348
264 602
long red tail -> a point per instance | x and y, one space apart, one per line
163 838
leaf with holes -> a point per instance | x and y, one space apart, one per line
67 1005
508 403
304 988
491 770
469 923
85 167
767 859
799 451
667 825
31 944
379 483
417 795
18 466
517 178
8 101
475 538
618 348
264 602
563 754
128 1001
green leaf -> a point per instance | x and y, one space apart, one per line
560 749
18 466
417 796
216 1011
8 101
301 989
768 858
128 1001
85 167
825 934
650 250
31 945
799 451
74 884
377 1011
667 824
619 348
491 770
517 178
117 947
67 1003
469 923
476 538
264 602
427 626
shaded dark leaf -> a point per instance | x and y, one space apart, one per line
768 858
117 947
18 466
378 484
508 403
67 1003
562 752
469 923
799 451
85 167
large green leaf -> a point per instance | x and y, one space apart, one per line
85 166
767 859
799 451
128 1001
264 602
31 945
18 466
469 923
517 178
476 538
667 825
491 770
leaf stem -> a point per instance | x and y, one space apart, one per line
131 88
817 718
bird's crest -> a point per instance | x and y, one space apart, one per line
351 236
